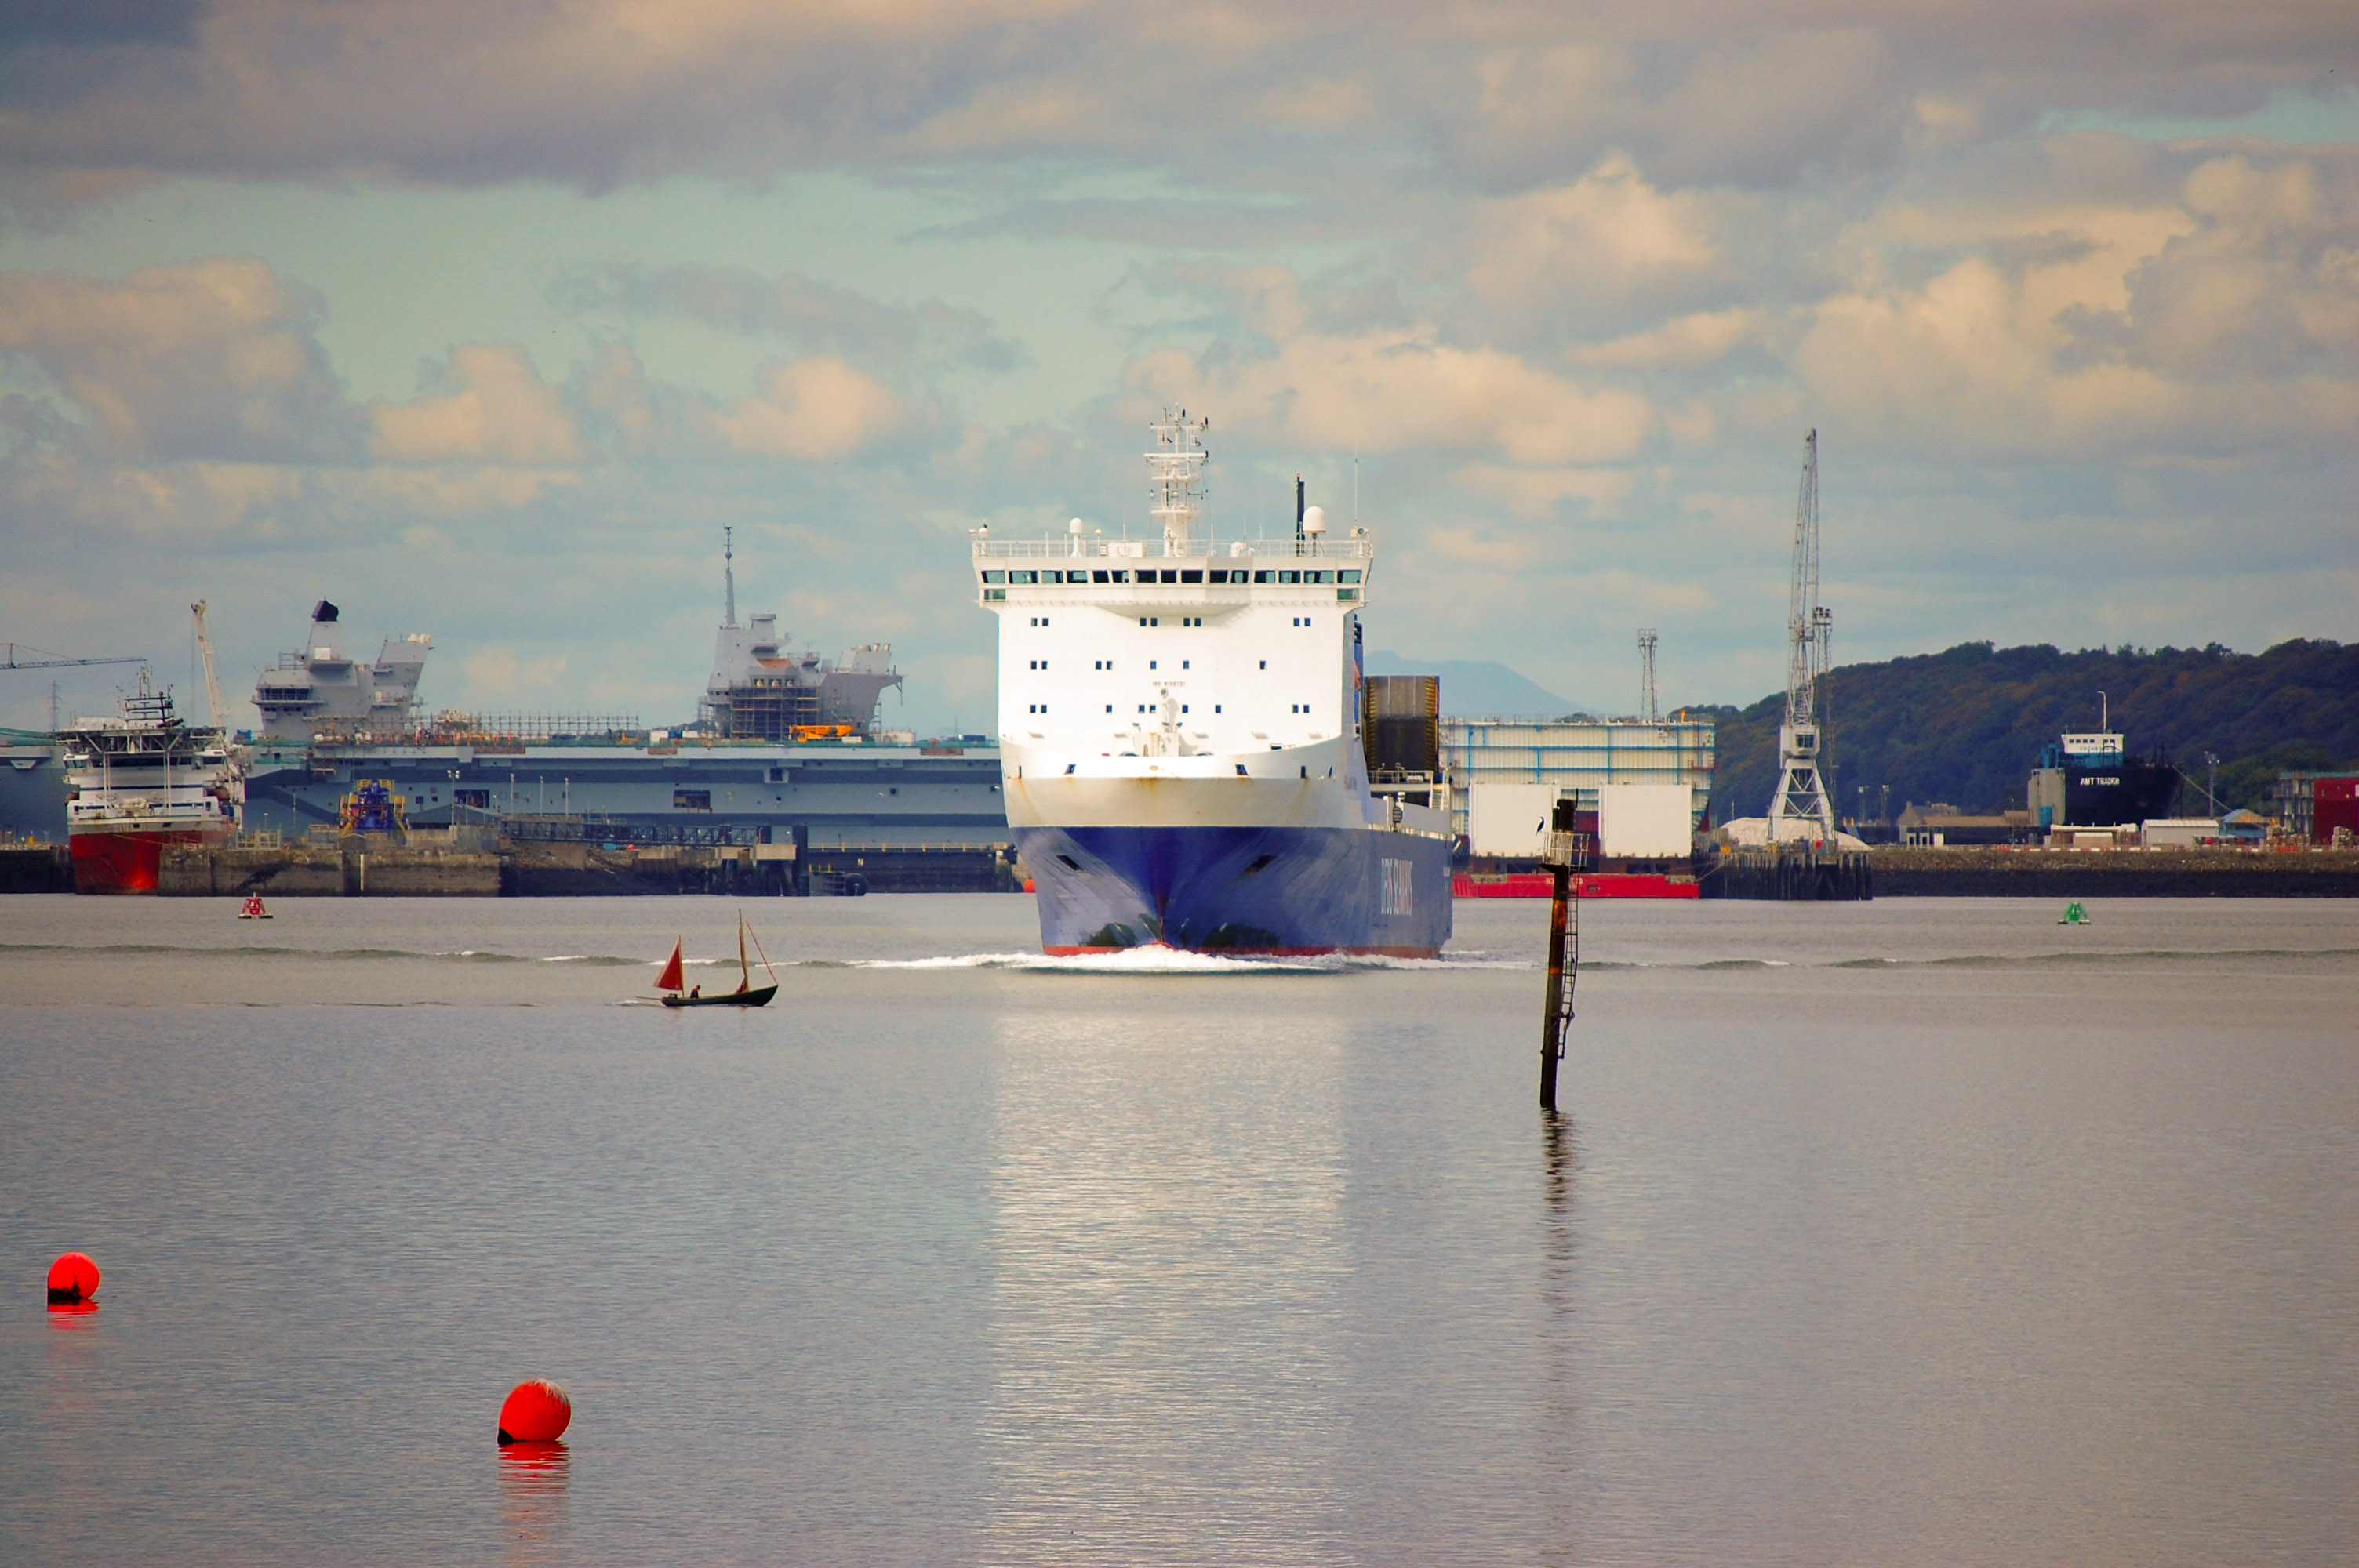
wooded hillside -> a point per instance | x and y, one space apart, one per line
1965 726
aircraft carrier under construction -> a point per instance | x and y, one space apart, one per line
785 771
784 782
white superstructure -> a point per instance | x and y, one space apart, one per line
1180 657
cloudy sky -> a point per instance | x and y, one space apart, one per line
483 317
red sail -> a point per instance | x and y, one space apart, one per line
669 979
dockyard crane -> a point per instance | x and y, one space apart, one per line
205 648
1801 796
53 662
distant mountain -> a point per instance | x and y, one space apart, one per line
1965 726
1476 688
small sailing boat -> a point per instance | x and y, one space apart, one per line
747 993
253 908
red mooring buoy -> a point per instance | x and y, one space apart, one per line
73 1277
537 1412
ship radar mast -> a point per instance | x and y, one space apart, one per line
1801 796
1177 465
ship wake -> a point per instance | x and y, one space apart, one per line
1156 960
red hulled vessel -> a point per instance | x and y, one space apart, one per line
139 781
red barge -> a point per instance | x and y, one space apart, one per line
139 781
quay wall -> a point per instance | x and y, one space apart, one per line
308 872
36 868
373 868
2115 873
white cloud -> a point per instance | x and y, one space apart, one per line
204 359
816 409
497 410
1394 388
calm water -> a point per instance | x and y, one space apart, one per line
1922 1231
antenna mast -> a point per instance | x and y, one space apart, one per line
1801 796
1177 465
728 577
1647 713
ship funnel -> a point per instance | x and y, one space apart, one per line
1314 521
324 611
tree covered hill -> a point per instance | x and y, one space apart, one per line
1965 726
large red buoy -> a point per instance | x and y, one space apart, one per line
537 1412
73 1277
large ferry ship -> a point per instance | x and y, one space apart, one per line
137 782
1181 746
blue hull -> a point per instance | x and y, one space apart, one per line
1243 889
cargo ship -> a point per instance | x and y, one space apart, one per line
2089 780
139 781
1180 741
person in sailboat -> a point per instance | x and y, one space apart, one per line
747 994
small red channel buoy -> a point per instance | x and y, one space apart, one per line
537 1412
73 1277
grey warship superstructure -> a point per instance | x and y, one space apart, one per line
762 691
321 689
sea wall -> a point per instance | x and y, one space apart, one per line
310 871
2124 873
36 868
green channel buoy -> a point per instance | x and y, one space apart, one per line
2074 915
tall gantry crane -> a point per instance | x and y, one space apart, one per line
1800 808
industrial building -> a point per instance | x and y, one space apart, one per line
1512 762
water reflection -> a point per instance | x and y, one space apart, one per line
1559 1430
1170 1260
72 1318
533 1477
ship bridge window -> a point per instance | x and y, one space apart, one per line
995 577
1347 576
1170 574
1189 577
1318 577
1282 577
1265 577
1219 577
1023 577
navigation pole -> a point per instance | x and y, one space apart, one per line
1800 808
